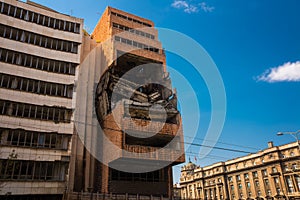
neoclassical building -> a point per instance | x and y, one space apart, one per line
272 173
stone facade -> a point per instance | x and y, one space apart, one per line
273 173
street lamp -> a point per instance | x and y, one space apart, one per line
295 134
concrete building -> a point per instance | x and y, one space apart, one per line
273 173
39 57
58 95
139 119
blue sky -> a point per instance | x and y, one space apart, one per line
256 47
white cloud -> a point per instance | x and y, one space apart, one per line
180 4
185 6
288 72
205 7
190 8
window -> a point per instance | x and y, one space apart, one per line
240 186
26 60
269 193
32 170
41 140
16 109
35 86
238 177
290 184
267 183
264 172
256 183
274 169
255 174
246 176
248 184
199 192
230 179
38 40
39 19
297 180
294 167
259 193
136 44
137 32
23 138
276 180
130 19
278 190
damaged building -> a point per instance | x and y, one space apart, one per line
84 113
135 109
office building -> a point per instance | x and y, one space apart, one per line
39 56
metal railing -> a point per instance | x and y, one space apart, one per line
100 196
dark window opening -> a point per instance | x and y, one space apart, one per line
37 18
56 114
32 170
155 176
158 140
26 60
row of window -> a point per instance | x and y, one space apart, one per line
212 193
30 111
131 19
32 170
254 175
131 30
40 19
266 184
290 180
26 60
37 39
35 86
154 176
263 172
292 183
22 138
136 44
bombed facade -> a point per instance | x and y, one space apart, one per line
135 107
84 112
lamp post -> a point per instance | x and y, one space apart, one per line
295 134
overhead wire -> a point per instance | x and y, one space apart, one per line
225 143
188 143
